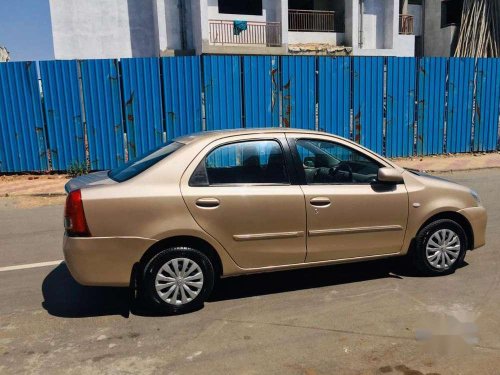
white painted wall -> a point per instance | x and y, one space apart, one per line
170 24
103 28
136 28
380 29
404 45
205 10
295 37
374 24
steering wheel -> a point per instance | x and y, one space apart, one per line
341 167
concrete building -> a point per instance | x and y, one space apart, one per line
139 28
441 24
4 54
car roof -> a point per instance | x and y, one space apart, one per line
216 134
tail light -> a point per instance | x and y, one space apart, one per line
74 216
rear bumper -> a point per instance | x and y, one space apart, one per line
477 218
103 261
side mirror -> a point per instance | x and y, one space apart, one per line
389 175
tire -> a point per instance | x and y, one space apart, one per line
179 295
431 259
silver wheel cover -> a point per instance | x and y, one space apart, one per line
179 281
442 249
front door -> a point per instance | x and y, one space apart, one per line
349 213
239 192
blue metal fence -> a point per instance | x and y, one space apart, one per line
460 100
431 77
261 91
182 95
487 104
369 102
299 91
103 112
222 86
142 103
65 133
334 93
22 136
400 118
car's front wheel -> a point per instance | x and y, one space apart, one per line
178 280
440 247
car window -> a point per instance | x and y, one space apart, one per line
327 162
138 165
249 162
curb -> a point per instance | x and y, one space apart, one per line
39 195
455 170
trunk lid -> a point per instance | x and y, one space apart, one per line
91 179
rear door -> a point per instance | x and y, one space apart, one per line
238 190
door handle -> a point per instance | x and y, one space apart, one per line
207 202
320 201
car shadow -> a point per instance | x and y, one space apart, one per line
64 297
316 277
300 279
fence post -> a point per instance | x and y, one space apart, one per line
84 118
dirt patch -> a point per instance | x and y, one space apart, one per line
31 177
17 185
32 201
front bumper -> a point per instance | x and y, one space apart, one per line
477 218
103 261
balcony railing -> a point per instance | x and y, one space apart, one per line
259 33
405 24
311 20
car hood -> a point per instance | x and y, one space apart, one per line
91 179
426 175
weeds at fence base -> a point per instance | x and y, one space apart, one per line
78 169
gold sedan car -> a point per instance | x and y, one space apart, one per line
227 203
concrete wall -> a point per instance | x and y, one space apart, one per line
374 22
380 29
269 12
137 28
404 45
295 37
103 28
175 25
4 54
205 10
437 41
416 11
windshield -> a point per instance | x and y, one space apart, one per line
138 165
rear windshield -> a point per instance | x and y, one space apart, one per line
138 165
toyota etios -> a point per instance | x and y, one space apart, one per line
227 203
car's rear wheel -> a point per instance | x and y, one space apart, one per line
178 280
440 247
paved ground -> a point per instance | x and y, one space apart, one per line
366 318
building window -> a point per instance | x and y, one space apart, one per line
451 12
251 7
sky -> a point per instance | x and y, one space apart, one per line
25 29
